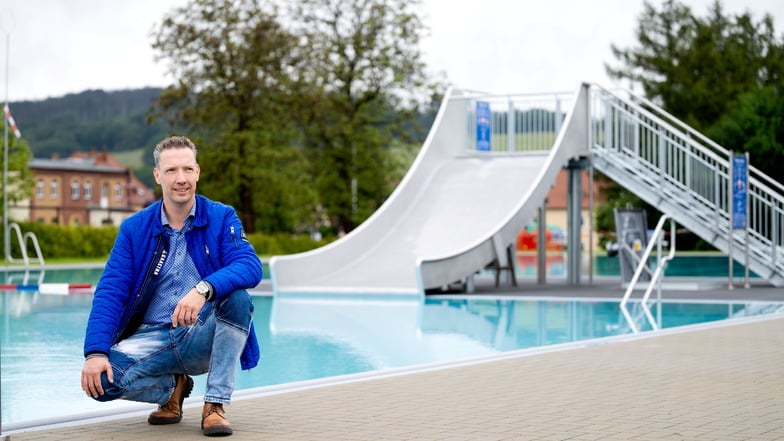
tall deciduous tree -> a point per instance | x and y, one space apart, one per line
363 62
697 67
233 63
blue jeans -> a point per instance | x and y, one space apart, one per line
145 364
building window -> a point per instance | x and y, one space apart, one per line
118 192
88 191
104 195
75 190
39 189
53 189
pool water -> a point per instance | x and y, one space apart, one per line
318 336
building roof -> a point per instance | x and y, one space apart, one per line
75 164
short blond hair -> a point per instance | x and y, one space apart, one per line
172 142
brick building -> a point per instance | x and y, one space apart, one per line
84 189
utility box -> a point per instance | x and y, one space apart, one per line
631 230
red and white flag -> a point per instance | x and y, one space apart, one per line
11 121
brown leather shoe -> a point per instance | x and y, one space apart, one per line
213 420
171 412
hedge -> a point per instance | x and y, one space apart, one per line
59 241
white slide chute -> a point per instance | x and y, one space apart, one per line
456 210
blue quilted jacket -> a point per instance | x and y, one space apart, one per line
220 251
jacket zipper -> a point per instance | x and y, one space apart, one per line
233 236
159 254
210 266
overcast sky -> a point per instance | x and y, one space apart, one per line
501 46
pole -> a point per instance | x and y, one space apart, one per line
746 239
590 216
6 236
541 244
731 174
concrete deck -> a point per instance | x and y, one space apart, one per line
716 381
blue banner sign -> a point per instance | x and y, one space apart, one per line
483 117
740 180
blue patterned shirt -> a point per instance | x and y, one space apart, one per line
178 274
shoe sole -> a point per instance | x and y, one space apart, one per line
159 421
217 431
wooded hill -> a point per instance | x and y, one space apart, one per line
115 121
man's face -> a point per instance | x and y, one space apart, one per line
177 174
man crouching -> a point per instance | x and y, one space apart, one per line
172 300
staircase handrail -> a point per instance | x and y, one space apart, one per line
674 122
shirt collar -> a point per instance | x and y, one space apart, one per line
191 215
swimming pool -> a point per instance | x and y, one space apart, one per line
313 336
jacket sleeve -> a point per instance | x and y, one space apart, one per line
239 266
112 295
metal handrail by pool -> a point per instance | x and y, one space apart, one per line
661 265
23 246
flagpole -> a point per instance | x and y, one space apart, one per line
6 238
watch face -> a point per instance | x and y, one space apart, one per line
202 288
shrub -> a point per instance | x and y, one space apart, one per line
61 241
282 243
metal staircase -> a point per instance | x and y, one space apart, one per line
684 174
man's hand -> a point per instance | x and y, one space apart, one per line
91 375
187 310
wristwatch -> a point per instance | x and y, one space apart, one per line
204 289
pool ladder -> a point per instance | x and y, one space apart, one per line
656 277
23 238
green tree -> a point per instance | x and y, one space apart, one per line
696 68
723 75
756 125
363 61
20 178
234 63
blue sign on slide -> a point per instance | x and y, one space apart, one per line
740 182
483 116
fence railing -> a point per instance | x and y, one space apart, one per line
518 123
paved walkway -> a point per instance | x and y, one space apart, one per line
705 382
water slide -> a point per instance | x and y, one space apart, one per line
456 211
